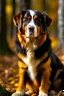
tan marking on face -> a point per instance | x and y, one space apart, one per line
28 17
25 30
35 17
38 31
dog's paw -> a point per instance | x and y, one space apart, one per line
52 93
18 93
42 94
29 93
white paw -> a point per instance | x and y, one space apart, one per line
18 93
42 94
28 92
52 93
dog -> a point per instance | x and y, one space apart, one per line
38 65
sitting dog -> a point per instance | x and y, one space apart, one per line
38 65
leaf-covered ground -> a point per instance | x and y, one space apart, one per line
8 72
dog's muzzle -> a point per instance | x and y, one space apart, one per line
31 30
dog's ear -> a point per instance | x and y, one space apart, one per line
47 19
17 20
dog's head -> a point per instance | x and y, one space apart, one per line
32 26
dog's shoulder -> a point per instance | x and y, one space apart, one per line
46 47
55 62
19 47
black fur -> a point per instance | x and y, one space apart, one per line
19 48
46 47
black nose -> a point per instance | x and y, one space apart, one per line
31 29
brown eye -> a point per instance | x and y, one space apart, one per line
26 19
37 20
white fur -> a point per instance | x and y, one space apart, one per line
32 64
31 61
42 94
31 24
18 93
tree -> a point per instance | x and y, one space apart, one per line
25 4
46 5
13 13
4 48
61 22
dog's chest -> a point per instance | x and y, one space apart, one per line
32 63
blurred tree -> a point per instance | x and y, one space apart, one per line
25 4
45 5
53 13
37 5
13 13
61 22
4 48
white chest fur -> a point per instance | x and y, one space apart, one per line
32 64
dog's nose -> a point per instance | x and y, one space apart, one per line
31 29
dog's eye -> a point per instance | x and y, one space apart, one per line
26 19
37 20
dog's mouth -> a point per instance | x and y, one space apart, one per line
32 37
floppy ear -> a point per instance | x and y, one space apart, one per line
17 20
47 19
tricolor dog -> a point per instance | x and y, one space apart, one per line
37 63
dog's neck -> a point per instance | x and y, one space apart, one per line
45 47
38 52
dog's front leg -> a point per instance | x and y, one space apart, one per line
45 83
21 79
21 85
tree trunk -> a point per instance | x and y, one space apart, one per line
61 22
46 5
13 14
4 48
25 4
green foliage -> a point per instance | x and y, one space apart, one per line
4 92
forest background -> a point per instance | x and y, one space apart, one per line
8 59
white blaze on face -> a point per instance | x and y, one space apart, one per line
31 24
